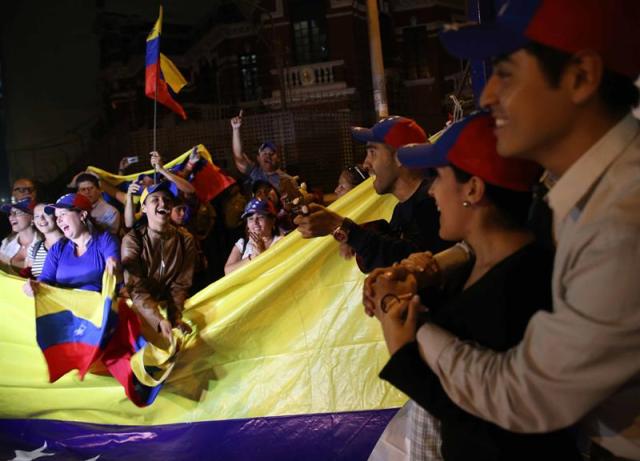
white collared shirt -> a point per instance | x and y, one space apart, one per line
580 362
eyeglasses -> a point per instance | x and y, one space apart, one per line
17 213
23 190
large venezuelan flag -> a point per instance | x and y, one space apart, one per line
161 74
283 367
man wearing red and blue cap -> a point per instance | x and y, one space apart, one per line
414 223
561 95
158 260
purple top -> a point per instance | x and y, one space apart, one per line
63 268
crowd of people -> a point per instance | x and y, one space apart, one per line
523 351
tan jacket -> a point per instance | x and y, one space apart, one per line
580 362
158 268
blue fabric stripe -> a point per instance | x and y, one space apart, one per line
153 52
334 436
64 327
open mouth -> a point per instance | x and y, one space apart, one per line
162 211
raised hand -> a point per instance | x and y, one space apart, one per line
236 122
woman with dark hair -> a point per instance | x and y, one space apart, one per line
38 250
350 178
483 200
13 251
262 233
80 258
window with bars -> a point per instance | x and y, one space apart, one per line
249 77
309 27
416 53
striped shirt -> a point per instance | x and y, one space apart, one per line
37 253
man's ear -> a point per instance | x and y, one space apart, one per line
583 75
143 208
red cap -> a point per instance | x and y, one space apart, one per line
470 145
609 27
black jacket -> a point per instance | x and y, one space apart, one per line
493 312
414 227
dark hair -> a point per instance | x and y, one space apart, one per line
84 177
618 92
513 206
261 183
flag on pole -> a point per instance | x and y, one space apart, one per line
162 77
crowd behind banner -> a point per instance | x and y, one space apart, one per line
504 280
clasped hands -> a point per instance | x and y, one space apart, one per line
390 294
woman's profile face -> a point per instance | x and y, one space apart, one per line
19 220
447 193
70 222
260 224
44 222
344 185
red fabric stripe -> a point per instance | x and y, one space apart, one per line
210 181
62 358
153 76
117 354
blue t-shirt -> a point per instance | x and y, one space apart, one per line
256 173
63 268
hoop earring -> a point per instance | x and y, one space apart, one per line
466 204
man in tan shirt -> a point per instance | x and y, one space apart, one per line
566 105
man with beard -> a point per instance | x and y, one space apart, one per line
268 160
158 260
414 223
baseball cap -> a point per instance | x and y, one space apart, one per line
470 145
73 201
394 131
268 145
25 205
608 27
167 186
257 206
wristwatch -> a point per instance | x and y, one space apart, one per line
341 233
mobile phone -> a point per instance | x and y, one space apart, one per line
132 160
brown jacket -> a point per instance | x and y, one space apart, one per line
158 268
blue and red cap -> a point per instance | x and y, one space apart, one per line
608 27
394 131
167 186
470 145
261 207
73 201
268 145
26 205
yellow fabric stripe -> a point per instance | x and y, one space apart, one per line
115 179
157 28
172 75
85 304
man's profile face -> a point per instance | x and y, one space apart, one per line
531 115
381 162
